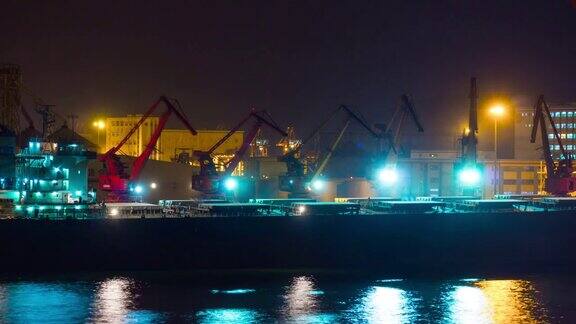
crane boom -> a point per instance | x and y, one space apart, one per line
404 110
260 121
147 114
328 156
295 180
559 178
115 179
208 181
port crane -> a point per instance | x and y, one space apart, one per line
210 181
469 172
560 180
115 179
297 181
391 133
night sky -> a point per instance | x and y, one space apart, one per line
298 59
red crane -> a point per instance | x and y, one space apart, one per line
115 179
209 181
560 180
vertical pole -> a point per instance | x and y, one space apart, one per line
496 166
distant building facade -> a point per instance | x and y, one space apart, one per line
431 173
174 142
118 127
564 116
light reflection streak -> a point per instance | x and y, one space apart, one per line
384 305
511 299
3 301
227 315
113 300
300 298
233 291
494 301
469 305
41 302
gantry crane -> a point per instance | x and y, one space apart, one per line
560 180
298 181
115 179
210 181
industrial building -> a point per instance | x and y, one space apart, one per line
431 173
173 145
117 127
175 142
564 116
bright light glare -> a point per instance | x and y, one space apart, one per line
138 189
301 210
470 176
318 184
497 110
114 212
231 184
100 124
153 185
387 176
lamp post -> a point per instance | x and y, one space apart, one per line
497 111
100 125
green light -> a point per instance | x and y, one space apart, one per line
18 207
58 207
469 176
77 207
387 176
230 184
233 291
318 185
78 193
30 209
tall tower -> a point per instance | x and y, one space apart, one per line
10 96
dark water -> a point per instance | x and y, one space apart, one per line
266 298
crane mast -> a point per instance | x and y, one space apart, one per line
468 171
470 137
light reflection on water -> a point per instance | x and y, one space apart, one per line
495 301
301 302
113 300
227 315
384 305
300 299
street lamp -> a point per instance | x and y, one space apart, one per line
497 111
99 125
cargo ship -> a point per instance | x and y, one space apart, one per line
410 243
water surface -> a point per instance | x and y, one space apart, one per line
168 297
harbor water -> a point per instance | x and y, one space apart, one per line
261 297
